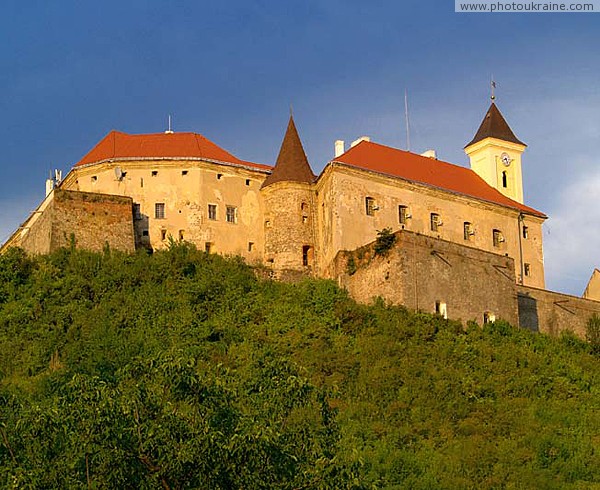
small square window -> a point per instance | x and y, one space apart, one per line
247 182
468 230
527 270
219 176
370 207
489 317
184 172
231 214
250 246
159 210
94 178
208 247
163 235
154 173
497 238
402 214
525 232
306 255
181 234
441 309
267 224
212 212
435 221
137 211
145 233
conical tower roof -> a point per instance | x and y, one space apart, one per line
292 164
494 126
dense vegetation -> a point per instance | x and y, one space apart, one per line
183 370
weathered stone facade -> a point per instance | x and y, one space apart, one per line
432 275
552 313
87 220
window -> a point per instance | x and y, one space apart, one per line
402 214
489 317
250 246
94 178
306 255
137 211
159 210
370 207
219 176
208 247
441 309
181 234
497 238
504 179
145 233
141 182
163 234
304 219
436 221
468 230
212 212
247 182
154 173
527 270
231 214
184 172
304 206
525 232
267 224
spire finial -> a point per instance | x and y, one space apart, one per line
291 110
493 84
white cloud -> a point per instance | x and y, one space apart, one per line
572 235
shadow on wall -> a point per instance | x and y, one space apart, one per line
528 312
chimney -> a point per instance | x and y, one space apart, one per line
339 148
429 154
357 141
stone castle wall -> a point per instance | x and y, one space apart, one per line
420 271
91 220
553 313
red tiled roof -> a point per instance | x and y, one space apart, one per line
292 164
428 171
117 145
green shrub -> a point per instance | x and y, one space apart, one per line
385 241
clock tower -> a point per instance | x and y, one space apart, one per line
495 154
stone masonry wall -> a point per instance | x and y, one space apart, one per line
289 226
36 237
420 271
552 313
94 220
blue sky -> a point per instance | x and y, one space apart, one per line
71 71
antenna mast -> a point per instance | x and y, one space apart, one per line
406 118
169 131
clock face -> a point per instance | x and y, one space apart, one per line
505 159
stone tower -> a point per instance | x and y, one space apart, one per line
495 155
288 195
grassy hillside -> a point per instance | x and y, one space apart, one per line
183 370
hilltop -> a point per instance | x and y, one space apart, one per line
183 369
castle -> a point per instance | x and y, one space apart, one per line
455 226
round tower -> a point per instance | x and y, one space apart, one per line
288 196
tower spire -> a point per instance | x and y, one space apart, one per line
292 164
